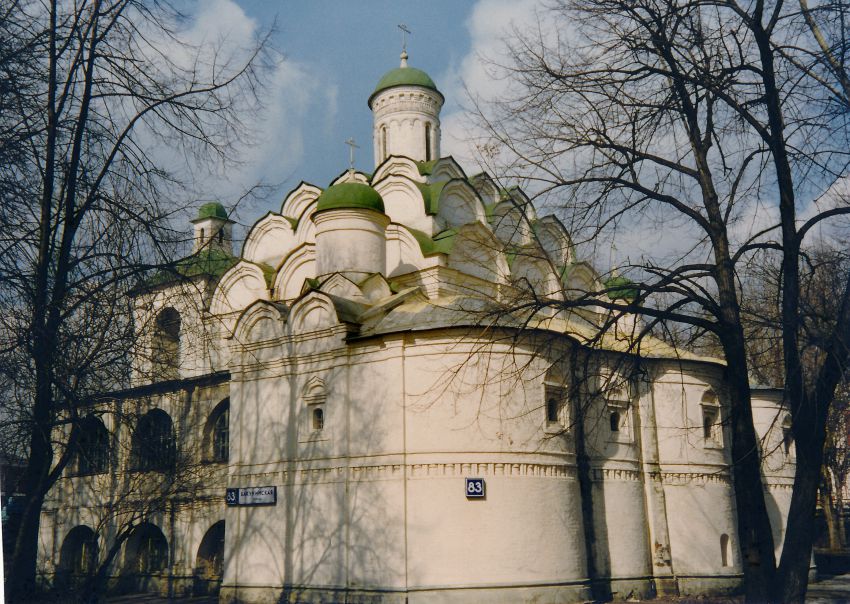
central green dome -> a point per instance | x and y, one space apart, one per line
350 195
404 76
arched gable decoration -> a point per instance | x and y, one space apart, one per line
512 218
460 204
486 188
269 240
580 279
477 252
446 168
316 311
262 320
552 236
299 200
404 252
339 285
536 275
239 287
403 199
397 165
296 268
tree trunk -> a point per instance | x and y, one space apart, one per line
20 583
754 531
829 514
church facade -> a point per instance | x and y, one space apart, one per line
379 399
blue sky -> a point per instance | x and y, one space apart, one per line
347 47
334 53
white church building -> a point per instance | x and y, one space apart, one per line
389 405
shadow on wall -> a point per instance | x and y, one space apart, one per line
329 530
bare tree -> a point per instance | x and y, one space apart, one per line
724 124
105 108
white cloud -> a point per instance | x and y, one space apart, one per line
273 132
490 21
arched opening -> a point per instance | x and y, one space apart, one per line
92 446
427 141
165 353
555 404
384 148
153 445
725 551
711 426
217 433
221 235
203 236
318 418
77 557
209 564
145 559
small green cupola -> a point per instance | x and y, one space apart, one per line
404 75
621 288
213 228
350 230
406 110
350 195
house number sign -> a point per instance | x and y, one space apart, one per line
251 496
474 488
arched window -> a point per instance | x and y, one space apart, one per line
712 433
78 555
787 435
153 442
146 551
427 141
209 564
92 446
555 405
315 397
384 148
165 353
217 433
725 551
221 235
203 235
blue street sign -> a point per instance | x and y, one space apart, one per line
475 488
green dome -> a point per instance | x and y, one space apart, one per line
350 195
621 288
212 209
404 76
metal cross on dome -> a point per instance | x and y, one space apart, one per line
404 32
352 145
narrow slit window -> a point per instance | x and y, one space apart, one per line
725 551
318 418
615 421
427 142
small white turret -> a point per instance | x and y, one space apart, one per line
213 229
406 108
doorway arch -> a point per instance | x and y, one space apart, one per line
209 563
